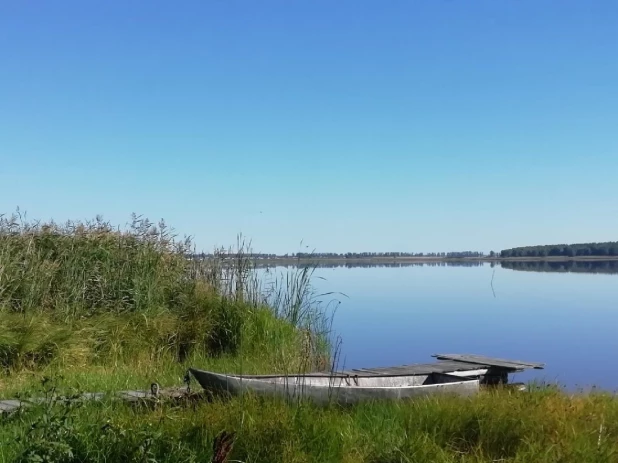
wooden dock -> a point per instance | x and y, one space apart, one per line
489 370
131 396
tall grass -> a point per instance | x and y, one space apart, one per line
88 294
84 268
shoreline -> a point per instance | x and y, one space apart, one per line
412 260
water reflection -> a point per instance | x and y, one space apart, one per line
593 266
552 312
569 266
339 264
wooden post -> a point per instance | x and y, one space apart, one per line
495 376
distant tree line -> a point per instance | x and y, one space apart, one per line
392 255
351 264
348 255
465 254
567 250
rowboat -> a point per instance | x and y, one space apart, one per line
340 388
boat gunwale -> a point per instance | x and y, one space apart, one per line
240 379
459 373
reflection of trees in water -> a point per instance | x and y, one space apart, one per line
370 265
600 266
571 266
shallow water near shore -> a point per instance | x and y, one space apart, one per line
399 315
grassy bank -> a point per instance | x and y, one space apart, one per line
540 426
85 307
109 308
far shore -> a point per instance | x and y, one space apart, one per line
390 260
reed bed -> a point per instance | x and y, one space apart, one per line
85 293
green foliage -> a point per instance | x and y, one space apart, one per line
47 438
29 341
221 330
540 425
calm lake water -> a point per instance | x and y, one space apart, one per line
398 315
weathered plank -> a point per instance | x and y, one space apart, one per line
93 396
446 366
7 406
167 393
447 363
132 396
490 361
10 405
417 369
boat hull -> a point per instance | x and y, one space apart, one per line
340 389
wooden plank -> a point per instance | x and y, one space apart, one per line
447 363
452 365
10 405
417 369
93 396
428 368
7 406
490 361
133 396
371 371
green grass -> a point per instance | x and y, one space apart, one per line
105 353
538 426
85 307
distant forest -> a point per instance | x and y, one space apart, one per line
568 250
353 255
334 263
370 255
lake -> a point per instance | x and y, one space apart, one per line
534 312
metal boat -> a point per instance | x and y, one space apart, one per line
340 388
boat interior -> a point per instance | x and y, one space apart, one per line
364 381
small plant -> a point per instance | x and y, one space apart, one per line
222 447
48 438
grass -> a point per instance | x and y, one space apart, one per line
539 426
87 307
105 353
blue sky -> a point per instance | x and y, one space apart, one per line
349 125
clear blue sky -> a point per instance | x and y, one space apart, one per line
350 125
